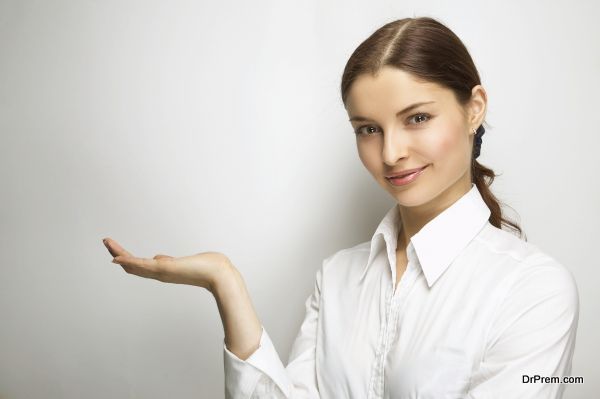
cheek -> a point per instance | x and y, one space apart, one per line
445 145
369 156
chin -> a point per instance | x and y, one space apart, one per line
410 196
406 197
412 202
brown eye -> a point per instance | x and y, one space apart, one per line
369 131
420 117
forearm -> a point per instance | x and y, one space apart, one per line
240 322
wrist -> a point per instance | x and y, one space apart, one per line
226 281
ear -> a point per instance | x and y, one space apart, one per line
477 106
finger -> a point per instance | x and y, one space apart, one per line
114 248
143 263
144 267
134 265
160 256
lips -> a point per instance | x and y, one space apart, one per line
405 172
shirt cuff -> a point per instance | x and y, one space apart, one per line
241 377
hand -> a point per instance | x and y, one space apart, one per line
202 269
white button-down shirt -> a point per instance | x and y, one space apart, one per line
476 310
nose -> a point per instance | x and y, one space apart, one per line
395 146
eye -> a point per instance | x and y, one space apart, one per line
420 114
359 131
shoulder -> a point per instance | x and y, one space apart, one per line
533 297
346 259
505 244
526 272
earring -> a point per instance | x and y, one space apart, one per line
474 131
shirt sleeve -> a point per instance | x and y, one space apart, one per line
532 334
263 375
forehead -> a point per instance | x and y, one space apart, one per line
391 90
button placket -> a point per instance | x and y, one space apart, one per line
375 390
395 299
396 307
393 303
379 380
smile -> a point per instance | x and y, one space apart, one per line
403 180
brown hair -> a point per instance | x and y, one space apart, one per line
430 51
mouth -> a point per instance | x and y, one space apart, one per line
405 178
405 173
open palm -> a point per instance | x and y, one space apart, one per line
201 269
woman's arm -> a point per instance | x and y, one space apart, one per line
253 368
241 325
263 374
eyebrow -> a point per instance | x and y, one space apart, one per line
405 110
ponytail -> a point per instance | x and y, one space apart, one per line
483 178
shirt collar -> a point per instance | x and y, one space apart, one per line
440 241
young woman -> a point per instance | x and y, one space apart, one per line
441 302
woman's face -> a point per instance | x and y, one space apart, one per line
437 135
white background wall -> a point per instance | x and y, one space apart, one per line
182 126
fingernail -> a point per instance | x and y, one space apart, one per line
115 260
